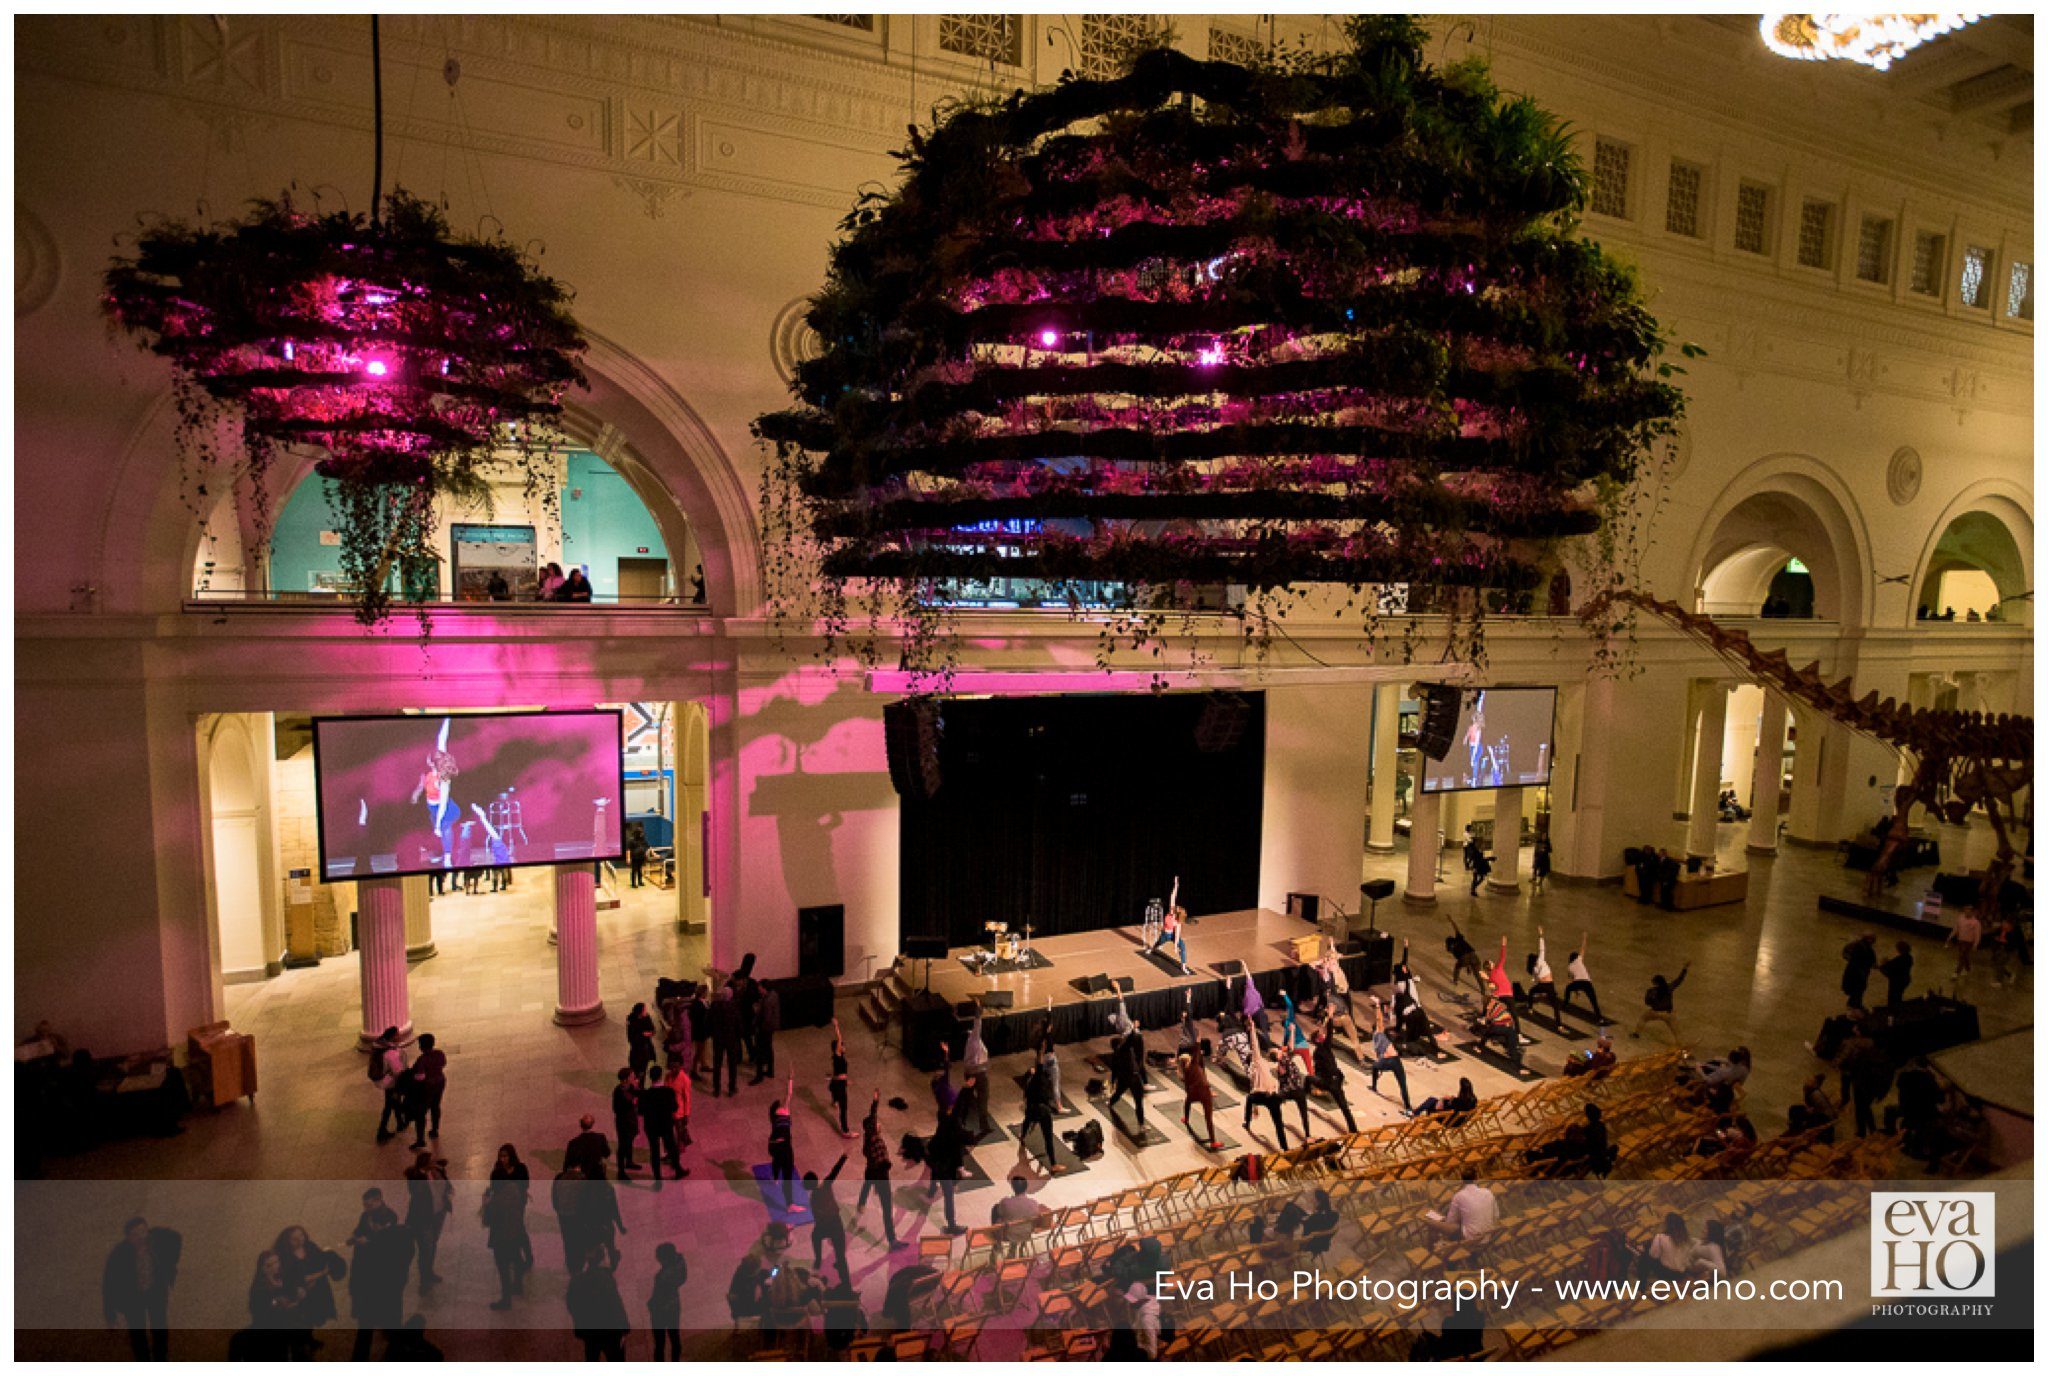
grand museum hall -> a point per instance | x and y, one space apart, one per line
1023 687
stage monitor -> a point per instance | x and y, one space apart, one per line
1503 739
415 794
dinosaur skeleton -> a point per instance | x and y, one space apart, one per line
1960 760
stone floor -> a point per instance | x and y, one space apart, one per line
1763 974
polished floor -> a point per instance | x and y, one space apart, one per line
1763 973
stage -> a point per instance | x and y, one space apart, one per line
1260 938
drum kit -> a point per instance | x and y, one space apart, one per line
1005 947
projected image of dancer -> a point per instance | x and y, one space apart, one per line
1475 739
438 786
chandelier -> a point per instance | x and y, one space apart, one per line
1874 40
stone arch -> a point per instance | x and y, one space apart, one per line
1784 506
151 538
1989 526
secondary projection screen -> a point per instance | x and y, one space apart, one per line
413 794
1503 740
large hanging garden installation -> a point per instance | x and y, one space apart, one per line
405 356
1201 324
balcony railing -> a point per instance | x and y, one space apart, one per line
223 600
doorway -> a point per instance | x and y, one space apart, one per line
642 579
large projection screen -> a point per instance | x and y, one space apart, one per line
1503 740
414 794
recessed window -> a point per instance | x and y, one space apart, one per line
864 22
1929 259
1752 217
1874 250
1227 45
1976 283
1610 178
1682 200
1817 234
1110 41
983 37
2019 291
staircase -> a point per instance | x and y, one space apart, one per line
885 1000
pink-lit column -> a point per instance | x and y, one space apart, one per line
576 998
380 954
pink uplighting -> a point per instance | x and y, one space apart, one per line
1048 337
1212 355
377 367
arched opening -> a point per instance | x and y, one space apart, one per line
1772 556
248 939
492 547
1784 510
1975 572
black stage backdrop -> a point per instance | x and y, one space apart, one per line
1071 812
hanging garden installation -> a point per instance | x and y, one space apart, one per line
1323 324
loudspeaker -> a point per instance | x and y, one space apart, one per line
1227 968
997 998
1439 720
910 733
1222 723
1121 984
1377 889
821 940
925 947
1090 984
1305 906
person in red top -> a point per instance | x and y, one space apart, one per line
1497 973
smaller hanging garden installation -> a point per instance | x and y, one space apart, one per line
1200 324
406 356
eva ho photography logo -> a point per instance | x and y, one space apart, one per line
1933 1246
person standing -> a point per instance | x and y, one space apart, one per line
1898 974
945 1155
1582 980
1265 1093
1386 1057
387 1071
660 1105
595 1309
665 1302
723 1020
974 1073
273 1311
310 1270
782 1144
429 1199
1330 1075
587 1150
1482 866
504 1219
1194 1078
1127 1073
640 1052
597 1215
1964 936
1542 982
681 1038
626 1116
431 1073
636 857
875 1177
1859 958
1539 864
135 1286
382 1252
1658 1002
836 1085
1294 1088
767 1021
828 1221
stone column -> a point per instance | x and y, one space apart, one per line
1422 848
1507 841
1706 773
576 997
1386 733
419 921
380 955
1769 778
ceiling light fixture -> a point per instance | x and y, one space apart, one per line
1874 40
